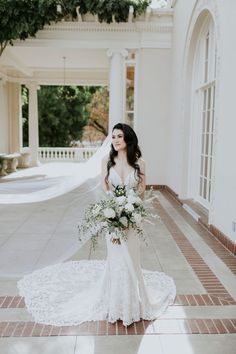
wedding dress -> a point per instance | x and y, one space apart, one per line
91 290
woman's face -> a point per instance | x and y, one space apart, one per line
118 140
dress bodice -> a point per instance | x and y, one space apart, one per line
114 179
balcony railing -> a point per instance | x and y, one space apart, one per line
65 154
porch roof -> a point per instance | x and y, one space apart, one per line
84 44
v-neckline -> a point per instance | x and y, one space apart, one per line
122 182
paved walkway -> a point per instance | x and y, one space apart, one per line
202 319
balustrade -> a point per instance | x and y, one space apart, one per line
65 154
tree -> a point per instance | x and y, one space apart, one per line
98 110
63 114
24 18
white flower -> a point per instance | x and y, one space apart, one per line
131 199
131 193
114 235
134 200
96 210
138 201
129 207
109 213
109 193
121 200
137 218
124 221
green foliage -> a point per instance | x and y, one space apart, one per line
24 100
98 110
105 9
62 114
20 19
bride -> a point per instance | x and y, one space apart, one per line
116 289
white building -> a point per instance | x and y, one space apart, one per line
182 60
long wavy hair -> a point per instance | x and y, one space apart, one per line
133 150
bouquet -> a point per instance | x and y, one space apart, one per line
118 211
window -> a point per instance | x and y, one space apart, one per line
206 88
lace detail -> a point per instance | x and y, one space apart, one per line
74 292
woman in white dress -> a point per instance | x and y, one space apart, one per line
116 289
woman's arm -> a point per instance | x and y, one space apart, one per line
105 186
142 183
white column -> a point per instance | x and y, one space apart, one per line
4 120
14 114
33 124
116 85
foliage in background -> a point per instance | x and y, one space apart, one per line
20 19
98 110
106 10
63 114
25 107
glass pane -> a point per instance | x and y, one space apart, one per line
212 137
207 47
212 121
200 187
207 144
204 188
203 121
210 163
203 141
205 166
204 99
215 61
209 98
201 165
206 71
208 121
213 95
209 191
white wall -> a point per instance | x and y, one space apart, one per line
176 129
4 128
223 208
153 111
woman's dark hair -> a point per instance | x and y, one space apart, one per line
133 150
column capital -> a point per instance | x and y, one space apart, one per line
121 51
31 84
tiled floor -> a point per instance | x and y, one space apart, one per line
202 319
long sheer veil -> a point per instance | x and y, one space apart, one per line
38 186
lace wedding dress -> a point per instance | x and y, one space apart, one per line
91 290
